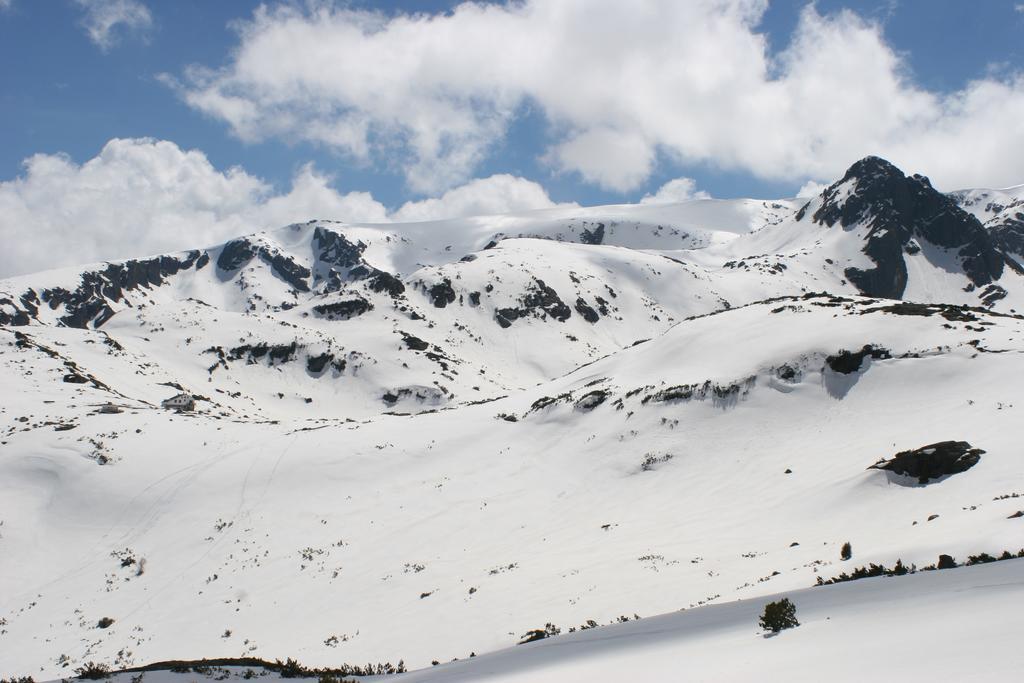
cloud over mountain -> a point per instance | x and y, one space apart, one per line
140 196
620 85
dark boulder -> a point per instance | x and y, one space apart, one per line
414 343
933 461
442 294
846 362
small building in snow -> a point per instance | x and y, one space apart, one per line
179 402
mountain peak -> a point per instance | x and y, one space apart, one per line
872 169
898 214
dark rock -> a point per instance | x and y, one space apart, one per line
539 301
280 353
90 302
933 461
295 274
591 400
316 364
593 237
378 280
442 294
414 343
786 373
900 211
238 253
846 362
235 254
335 249
343 310
474 299
588 313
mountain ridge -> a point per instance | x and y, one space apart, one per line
454 433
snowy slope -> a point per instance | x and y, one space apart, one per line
422 441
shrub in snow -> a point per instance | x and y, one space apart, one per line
846 552
779 615
93 671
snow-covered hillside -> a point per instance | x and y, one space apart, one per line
420 441
839 633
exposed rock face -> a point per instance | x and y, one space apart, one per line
413 342
335 249
900 211
442 293
1002 216
932 461
89 303
591 400
343 310
1009 236
584 309
595 236
235 254
539 301
317 364
238 253
378 280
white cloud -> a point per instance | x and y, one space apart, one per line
484 196
810 189
621 84
142 196
1019 7
5 4
676 191
106 20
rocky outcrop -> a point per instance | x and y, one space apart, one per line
899 212
540 301
934 461
89 304
846 362
442 294
334 249
343 310
238 253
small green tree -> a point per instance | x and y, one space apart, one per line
846 552
779 615
93 671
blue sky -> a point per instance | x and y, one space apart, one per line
166 77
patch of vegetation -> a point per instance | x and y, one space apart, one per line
898 569
778 616
93 671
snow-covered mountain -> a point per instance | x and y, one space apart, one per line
421 440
